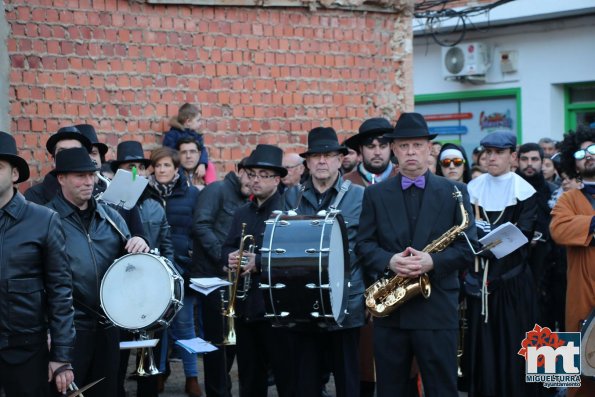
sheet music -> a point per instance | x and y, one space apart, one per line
136 344
207 285
510 236
125 189
196 345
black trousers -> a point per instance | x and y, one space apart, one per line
28 378
218 363
314 352
96 356
260 347
436 354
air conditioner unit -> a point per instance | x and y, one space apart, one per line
465 59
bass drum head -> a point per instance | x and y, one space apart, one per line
336 271
588 347
136 291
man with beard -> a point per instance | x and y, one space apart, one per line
375 151
374 168
258 343
573 225
540 258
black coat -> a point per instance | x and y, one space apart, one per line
35 280
384 231
43 192
90 253
254 217
212 219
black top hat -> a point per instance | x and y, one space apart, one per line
371 128
411 125
323 140
74 160
89 132
70 132
8 152
129 152
268 157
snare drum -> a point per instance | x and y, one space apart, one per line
305 263
588 347
141 292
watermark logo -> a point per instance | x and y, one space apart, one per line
552 358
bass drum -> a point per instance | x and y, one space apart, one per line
305 263
141 292
588 347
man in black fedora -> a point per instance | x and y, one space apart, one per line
65 138
400 216
96 235
35 288
325 188
258 346
374 149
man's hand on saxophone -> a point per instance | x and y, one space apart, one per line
411 263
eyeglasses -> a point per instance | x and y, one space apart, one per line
581 154
327 156
288 167
457 162
253 176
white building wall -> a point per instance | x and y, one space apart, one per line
550 54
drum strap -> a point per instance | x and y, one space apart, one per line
344 188
115 226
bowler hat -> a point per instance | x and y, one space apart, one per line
323 140
8 152
411 125
70 132
89 132
268 157
74 160
372 128
129 152
499 140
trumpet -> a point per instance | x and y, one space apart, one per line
146 362
235 293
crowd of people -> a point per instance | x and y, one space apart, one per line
398 191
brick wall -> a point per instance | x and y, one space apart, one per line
259 75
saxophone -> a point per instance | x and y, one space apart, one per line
388 293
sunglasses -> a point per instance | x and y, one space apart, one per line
581 154
457 162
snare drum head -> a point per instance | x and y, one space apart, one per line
588 347
136 290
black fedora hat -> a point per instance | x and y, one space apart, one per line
411 125
70 132
323 140
268 157
8 152
89 132
74 160
372 128
129 152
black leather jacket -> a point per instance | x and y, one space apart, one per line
90 253
35 279
212 219
43 192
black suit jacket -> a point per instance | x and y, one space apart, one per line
384 231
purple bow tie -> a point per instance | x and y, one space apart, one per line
420 182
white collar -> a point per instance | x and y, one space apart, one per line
494 193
